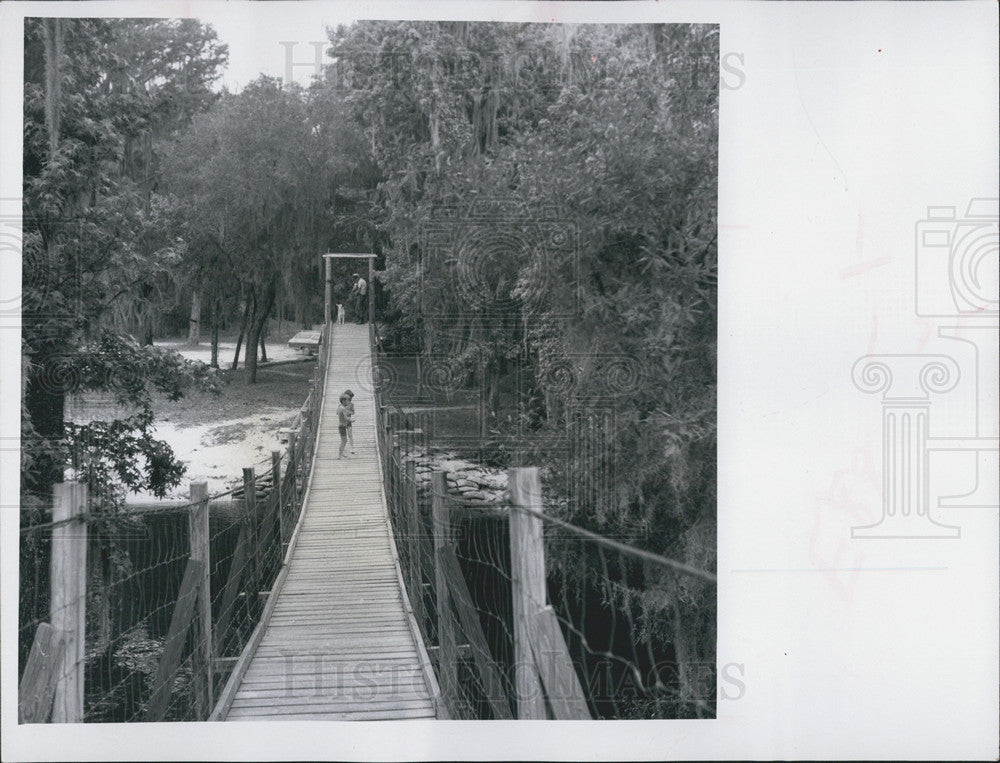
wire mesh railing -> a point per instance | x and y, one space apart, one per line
526 615
141 614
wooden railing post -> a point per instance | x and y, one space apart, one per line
230 592
68 596
395 469
327 265
173 648
293 465
371 294
198 534
250 504
411 510
527 572
278 501
383 433
38 683
489 673
447 627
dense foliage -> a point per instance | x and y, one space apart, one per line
96 92
98 247
258 182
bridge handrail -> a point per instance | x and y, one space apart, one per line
384 456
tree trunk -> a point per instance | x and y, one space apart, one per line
101 583
243 329
53 82
194 323
435 139
263 343
44 395
215 334
494 396
256 327
45 400
253 342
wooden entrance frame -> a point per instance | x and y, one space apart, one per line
329 275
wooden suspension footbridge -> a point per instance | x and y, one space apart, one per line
339 640
334 622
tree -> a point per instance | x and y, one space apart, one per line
89 232
163 70
97 244
264 182
237 172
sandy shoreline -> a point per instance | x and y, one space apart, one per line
216 442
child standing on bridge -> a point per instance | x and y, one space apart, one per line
350 409
344 417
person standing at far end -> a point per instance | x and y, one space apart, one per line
350 409
343 423
360 294
353 297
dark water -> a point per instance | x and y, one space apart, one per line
142 580
617 661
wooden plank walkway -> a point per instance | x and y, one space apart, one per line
340 642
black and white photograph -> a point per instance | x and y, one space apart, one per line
389 396
464 367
